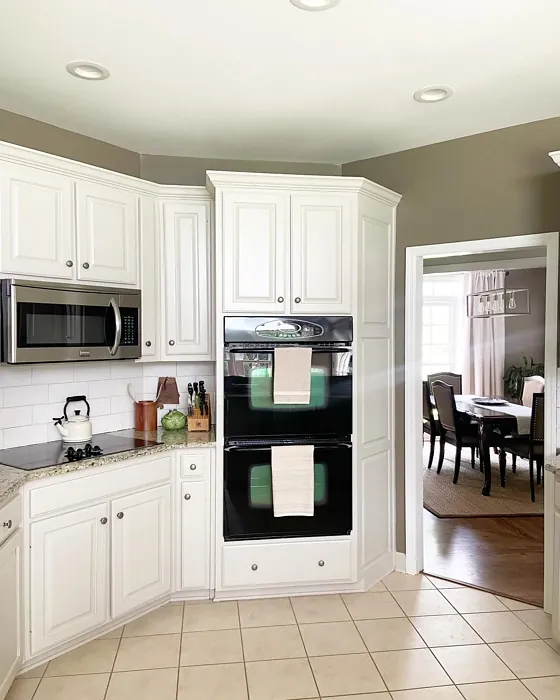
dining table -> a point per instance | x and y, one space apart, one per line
505 418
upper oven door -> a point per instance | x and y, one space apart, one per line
60 323
250 410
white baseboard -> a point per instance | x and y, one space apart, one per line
400 562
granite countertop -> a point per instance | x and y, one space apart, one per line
11 479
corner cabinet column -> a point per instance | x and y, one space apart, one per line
187 307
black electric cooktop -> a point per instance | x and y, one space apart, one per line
49 454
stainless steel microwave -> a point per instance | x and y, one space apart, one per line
48 322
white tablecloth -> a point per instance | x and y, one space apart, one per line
521 413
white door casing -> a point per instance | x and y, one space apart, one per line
10 610
107 234
68 575
141 548
186 245
36 223
195 535
255 264
321 253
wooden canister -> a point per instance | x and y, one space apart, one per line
145 415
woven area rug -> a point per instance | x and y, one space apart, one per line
465 499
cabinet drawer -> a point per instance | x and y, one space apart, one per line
284 563
91 486
195 465
10 518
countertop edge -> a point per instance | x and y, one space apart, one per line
12 479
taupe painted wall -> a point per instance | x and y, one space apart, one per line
525 334
168 170
501 183
44 137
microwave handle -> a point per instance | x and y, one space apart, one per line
247 448
118 326
314 348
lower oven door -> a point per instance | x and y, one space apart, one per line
249 408
248 495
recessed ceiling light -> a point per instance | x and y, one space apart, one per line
434 93
88 70
314 5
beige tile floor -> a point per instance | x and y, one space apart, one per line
410 638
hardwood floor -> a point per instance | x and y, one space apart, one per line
501 555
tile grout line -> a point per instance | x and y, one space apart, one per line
114 662
180 650
242 648
304 648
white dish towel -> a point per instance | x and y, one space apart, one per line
292 375
293 480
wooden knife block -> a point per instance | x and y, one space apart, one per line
199 423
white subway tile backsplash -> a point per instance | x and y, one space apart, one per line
52 373
92 371
25 435
58 393
126 370
25 395
15 376
30 396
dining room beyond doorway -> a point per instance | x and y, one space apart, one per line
483 387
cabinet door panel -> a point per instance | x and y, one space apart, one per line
195 536
10 611
255 248
187 280
141 548
69 576
321 254
107 220
37 236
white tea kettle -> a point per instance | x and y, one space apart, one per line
76 428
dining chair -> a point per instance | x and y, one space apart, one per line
531 385
529 447
456 428
430 424
450 378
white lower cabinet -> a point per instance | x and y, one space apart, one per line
10 611
141 548
69 575
195 535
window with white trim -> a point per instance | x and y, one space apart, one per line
443 318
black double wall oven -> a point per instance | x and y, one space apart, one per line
253 424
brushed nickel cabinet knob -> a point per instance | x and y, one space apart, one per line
187 497
254 567
120 516
86 266
69 263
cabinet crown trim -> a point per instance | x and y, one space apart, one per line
295 183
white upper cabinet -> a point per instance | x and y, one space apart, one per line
36 222
321 254
141 548
256 229
149 278
187 305
107 234
68 575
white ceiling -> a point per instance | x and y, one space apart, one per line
260 79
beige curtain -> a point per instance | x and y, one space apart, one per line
483 373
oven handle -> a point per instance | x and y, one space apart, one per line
316 348
247 448
118 326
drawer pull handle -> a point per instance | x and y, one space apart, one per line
254 567
120 515
321 562
193 467
103 521
8 524
86 266
187 497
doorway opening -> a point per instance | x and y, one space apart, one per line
453 530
